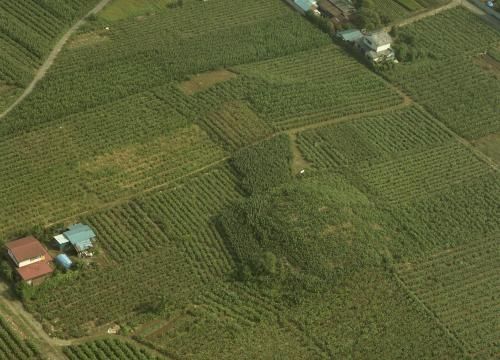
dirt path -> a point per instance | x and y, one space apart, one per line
13 311
52 56
297 130
432 12
23 322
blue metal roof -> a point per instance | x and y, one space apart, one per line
350 35
79 234
305 4
64 260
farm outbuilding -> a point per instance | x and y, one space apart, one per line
80 236
351 35
62 242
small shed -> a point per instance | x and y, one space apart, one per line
351 35
80 236
64 261
62 242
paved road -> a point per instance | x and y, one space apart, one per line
52 56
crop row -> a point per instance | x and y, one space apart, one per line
422 173
107 349
450 85
129 64
12 347
459 285
452 216
27 31
235 125
160 243
371 138
103 153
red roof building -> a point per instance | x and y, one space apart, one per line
35 271
26 251
31 258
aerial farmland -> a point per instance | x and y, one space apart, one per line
234 179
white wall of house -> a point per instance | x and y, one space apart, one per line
374 47
383 47
26 262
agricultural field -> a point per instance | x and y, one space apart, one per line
460 286
28 29
447 82
12 347
107 349
178 130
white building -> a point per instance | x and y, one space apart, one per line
377 46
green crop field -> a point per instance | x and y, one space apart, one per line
448 83
12 347
107 350
257 192
460 285
28 29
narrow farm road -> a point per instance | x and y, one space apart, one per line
52 56
13 311
432 12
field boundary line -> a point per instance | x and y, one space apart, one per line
479 154
342 119
49 61
144 191
419 301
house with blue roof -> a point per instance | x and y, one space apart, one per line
80 236
350 35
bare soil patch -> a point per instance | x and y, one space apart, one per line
6 88
204 81
88 39
486 62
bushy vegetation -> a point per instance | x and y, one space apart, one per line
264 165
317 228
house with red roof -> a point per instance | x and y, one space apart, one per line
31 259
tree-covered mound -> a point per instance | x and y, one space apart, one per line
315 230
